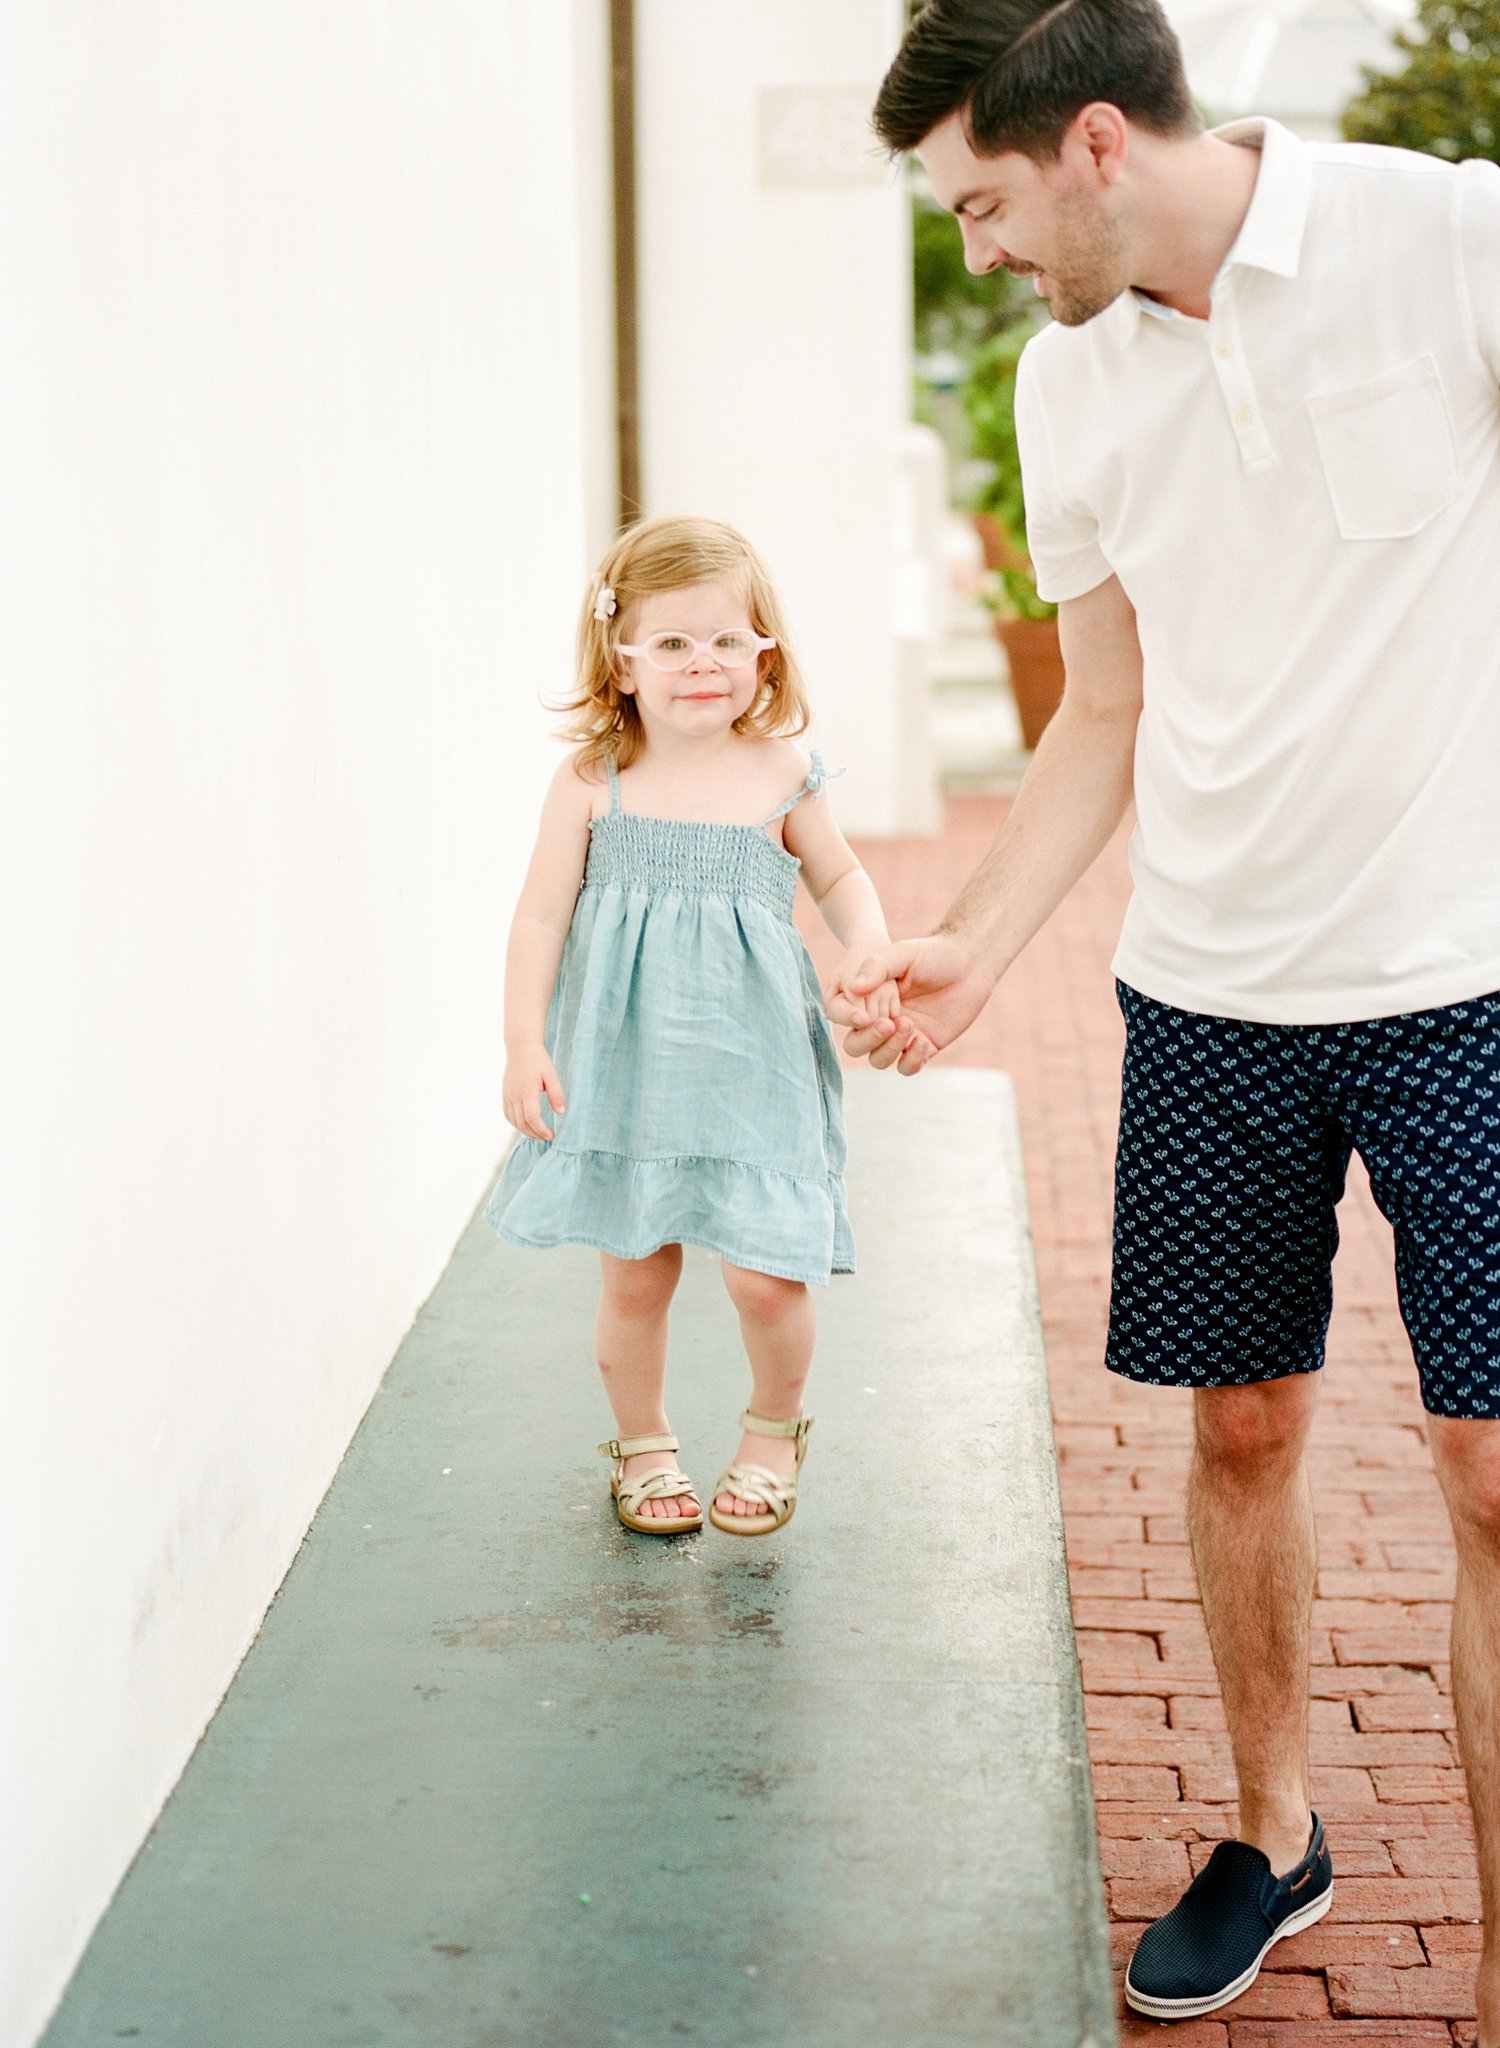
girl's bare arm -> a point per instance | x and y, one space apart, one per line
843 892
538 933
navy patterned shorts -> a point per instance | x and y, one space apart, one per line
1234 1143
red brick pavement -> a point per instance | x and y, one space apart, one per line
1393 1962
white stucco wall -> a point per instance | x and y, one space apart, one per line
783 409
295 508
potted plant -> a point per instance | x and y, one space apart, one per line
955 314
1025 624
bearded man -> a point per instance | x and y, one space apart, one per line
1260 447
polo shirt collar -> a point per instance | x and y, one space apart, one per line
1270 236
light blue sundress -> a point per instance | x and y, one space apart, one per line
704 1099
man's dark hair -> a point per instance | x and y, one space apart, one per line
1020 71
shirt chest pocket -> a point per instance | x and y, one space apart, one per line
1387 450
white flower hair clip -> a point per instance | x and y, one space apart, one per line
605 603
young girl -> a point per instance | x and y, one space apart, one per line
660 1000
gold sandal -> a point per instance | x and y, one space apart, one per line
774 1490
630 1495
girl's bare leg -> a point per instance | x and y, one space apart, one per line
630 1340
779 1325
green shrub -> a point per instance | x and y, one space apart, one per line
1446 99
990 402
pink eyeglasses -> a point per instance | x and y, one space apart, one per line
731 647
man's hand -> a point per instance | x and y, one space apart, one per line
942 990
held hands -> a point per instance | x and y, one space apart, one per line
530 1075
882 999
941 990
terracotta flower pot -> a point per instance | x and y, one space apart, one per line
999 553
1036 671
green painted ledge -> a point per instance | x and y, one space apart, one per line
497 1774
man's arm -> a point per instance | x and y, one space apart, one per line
1075 793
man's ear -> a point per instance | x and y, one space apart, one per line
1103 131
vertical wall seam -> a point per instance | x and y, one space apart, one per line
627 377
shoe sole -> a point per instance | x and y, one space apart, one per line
1193 2008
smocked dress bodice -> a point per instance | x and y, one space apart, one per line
681 856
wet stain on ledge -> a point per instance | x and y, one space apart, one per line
681 1609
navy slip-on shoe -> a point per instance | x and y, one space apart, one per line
1210 1947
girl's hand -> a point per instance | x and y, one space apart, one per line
879 1003
530 1075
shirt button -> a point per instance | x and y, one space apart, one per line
1244 416
1224 349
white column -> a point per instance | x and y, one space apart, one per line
776 336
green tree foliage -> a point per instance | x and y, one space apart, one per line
953 309
1446 99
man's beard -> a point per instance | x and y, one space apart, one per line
1092 270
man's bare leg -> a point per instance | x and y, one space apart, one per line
1467 1457
1250 1523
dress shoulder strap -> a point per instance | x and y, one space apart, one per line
614 786
816 778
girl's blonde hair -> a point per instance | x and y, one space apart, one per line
670 554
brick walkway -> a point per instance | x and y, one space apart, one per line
1393 1962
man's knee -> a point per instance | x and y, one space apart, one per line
1255 1427
1467 1456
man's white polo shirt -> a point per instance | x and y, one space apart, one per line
1301 498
